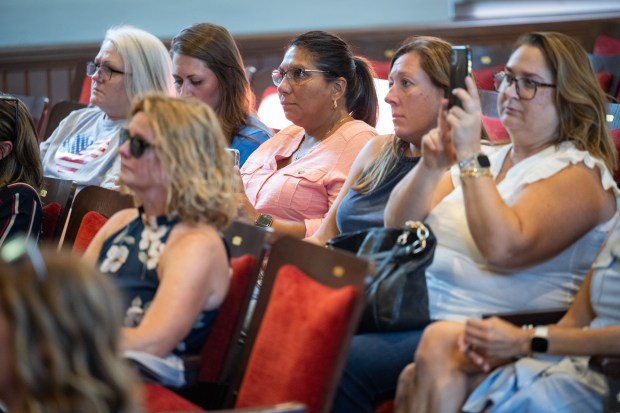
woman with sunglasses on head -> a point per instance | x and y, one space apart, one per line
292 180
84 147
21 173
207 65
167 255
518 230
59 335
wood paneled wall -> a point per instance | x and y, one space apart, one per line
58 71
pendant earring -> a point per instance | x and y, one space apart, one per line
335 104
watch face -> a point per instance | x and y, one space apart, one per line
264 220
540 344
483 161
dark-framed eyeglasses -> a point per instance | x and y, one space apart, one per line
526 88
105 71
295 75
20 247
9 98
137 144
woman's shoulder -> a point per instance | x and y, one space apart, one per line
21 188
557 158
119 220
356 128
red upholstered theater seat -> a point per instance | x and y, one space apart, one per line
604 80
484 77
91 224
495 129
298 341
606 45
219 341
158 399
51 215
382 69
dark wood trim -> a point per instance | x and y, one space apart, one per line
21 67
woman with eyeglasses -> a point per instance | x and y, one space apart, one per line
84 147
207 65
21 174
60 324
292 180
167 255
517 230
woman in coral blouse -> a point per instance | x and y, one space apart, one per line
291 180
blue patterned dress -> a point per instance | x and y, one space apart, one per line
131 256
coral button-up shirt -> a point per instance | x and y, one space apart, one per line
305 189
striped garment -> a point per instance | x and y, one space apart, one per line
20 211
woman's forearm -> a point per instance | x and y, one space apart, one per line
413 197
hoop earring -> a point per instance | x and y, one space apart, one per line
335 104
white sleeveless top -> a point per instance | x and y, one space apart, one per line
460 284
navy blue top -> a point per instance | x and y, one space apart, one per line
131 257
20 212
361 211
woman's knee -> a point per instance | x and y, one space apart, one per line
439 342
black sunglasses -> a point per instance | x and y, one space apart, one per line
20 247
9 98
137 144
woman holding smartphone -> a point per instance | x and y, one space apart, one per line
511 234
518 230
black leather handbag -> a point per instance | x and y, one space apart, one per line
397 298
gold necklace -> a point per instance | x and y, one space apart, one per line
300 154
337 125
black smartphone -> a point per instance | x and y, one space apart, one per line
460 67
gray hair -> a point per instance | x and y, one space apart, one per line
145 57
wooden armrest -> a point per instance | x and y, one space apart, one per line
608 365
550 316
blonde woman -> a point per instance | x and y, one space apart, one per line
59 332
418 80
166 255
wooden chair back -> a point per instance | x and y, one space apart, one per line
306 290
57 113
94 198
248 245
56 197
37 106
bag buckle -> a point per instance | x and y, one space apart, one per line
421 232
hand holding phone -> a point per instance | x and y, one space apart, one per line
460 68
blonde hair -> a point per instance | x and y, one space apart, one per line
65 329
191 147
581 103
434 56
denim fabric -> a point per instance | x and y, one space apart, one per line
371 373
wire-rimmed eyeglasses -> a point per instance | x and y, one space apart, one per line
105 71
295 75
20 247
137 144
526 88
9 98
